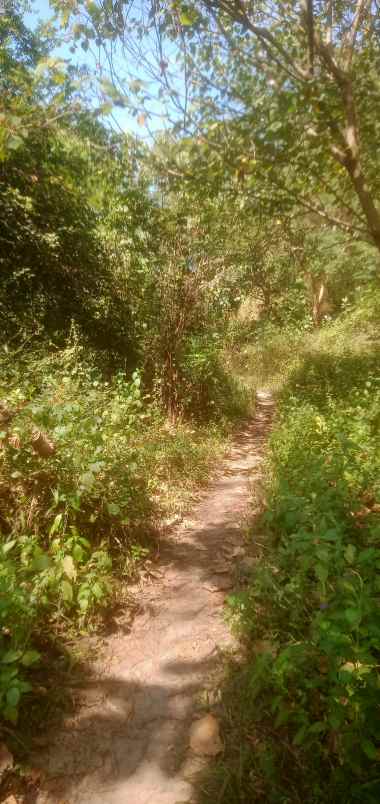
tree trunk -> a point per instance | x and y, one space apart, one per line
353 165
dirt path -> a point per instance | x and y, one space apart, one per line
129 741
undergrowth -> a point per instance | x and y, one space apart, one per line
90 471
302 718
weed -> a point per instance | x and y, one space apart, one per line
302 716
79 511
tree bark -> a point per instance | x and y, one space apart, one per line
349 156
353 164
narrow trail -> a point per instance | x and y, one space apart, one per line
128 743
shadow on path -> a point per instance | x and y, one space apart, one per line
128 741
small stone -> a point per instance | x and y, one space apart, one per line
205 737
6 759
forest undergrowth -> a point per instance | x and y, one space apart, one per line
301 713
92 469
167 247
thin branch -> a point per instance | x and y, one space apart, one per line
308 16
361 7
237 13
330 22
348 227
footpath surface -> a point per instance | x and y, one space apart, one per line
133 738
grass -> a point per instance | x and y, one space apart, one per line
301 714
91 470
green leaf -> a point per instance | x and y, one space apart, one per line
11 656
370 749
282 717
105 108
300 736
97 591
67 591
78 553
15 142
8 546
30 657
318 728
185 18
41 562
56 524
13 696
10 713
353 616
87 480
350 553
59 78
321 572
113 509
276 126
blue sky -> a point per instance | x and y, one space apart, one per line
121 118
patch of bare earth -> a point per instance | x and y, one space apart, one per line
146 719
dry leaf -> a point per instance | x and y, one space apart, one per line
42 445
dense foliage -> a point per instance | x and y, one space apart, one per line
107 329
147 287
307 707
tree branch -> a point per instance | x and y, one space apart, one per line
361 7
308 16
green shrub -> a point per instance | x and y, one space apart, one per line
310 692
72 520
208 390
64 273
91 481
38 585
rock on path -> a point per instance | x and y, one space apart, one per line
129 742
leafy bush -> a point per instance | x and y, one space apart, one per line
64 273
208 390
79 513
269 359
91 477
309 695
39 583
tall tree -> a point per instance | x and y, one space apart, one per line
293 87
